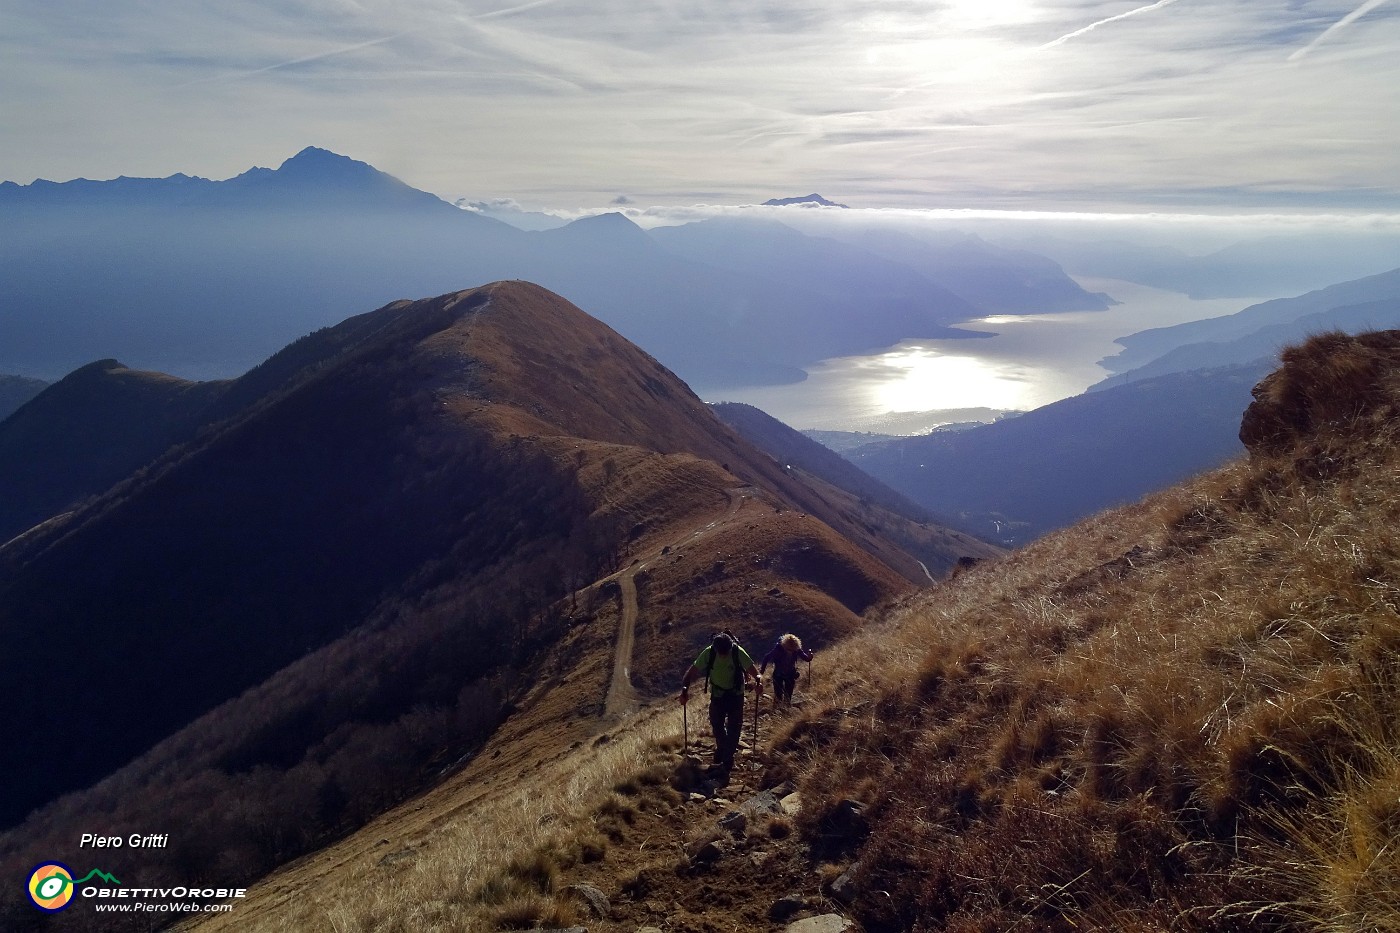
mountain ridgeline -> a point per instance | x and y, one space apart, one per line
331 578
205 278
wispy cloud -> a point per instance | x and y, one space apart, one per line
306 59
1336 27
1103 22
885 102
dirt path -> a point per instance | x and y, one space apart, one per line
622 696
622 699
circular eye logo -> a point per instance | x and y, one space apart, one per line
51 886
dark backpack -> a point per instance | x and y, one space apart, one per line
738 667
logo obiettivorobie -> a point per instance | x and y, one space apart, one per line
51 885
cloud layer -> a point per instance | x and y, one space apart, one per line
919 103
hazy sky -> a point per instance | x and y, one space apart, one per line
1209 104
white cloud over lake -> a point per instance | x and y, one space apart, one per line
1187 104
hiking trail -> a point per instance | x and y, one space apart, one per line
622 699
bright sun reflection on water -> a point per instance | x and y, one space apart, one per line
917 375
1032 361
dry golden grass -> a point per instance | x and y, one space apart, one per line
494 865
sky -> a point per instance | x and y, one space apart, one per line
1193 105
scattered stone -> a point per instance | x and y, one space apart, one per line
398 856
592 898
847 822
709 853
759 860
696 798
785 907
826 923
648 930
759 804
844 887
792 804
734 823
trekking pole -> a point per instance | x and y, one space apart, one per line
685 726
757 702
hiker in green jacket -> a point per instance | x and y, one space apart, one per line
725 664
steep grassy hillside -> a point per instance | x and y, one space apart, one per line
1181 715
932 538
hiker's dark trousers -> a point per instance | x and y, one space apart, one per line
783 682
727 720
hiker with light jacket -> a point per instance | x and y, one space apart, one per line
784 656
724 664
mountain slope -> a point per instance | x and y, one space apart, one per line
1145 346
919 531
1266 342
206 278
899 302
994 278
1021 477
86 432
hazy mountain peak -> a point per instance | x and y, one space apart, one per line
810 200
325 165
609 221
612 229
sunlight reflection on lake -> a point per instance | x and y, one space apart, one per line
1032 361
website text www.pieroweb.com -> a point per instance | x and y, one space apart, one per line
55 886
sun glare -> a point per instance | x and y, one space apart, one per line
924 378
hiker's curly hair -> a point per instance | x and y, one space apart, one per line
790 642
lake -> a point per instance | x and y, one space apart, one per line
1033 360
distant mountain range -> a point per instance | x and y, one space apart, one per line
1019 478
205 278
1175 413
1254 267
1261 330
